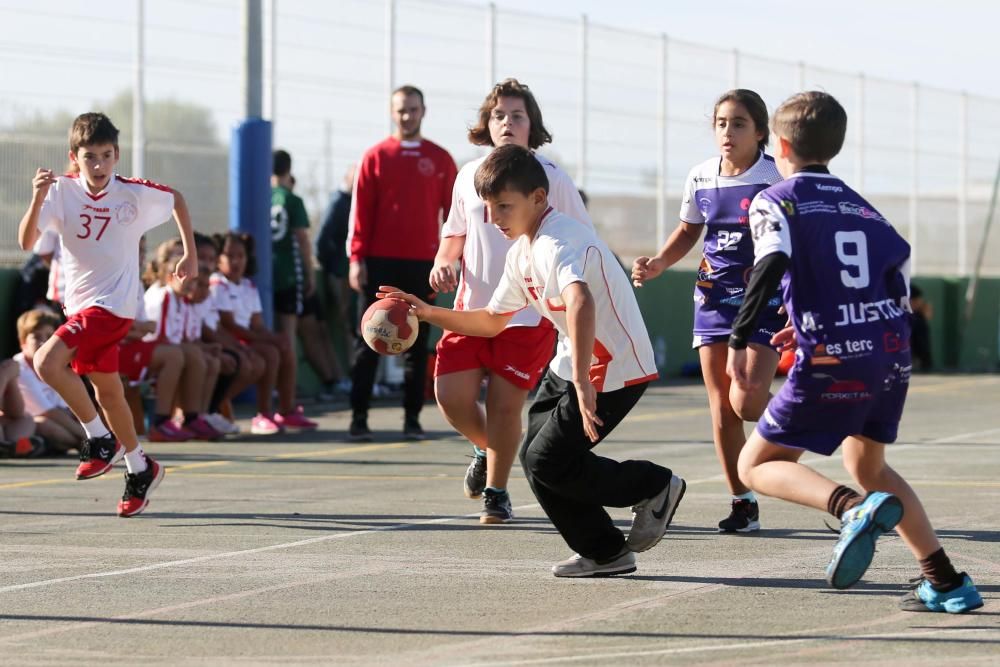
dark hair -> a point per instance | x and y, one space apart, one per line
754 105
814 123
282 163
510 167
201 240
90 129
408 90
246 241
480 133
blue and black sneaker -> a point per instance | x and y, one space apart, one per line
957 599
475 477
859 528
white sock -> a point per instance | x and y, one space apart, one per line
135 461
95 428
746 496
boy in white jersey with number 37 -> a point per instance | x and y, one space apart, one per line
100 217
560 268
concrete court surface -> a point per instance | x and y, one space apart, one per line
311 551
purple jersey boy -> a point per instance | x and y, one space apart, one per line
846 290
722 203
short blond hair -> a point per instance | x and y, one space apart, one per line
31 321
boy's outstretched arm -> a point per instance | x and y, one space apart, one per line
188 266
478 322
581 324
27 230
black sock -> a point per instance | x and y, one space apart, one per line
842 499
159 420
221 386
938 570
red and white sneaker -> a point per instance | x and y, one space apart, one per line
98 455
139 487
295 421
201 429
169 432
263 425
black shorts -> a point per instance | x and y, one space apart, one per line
292 301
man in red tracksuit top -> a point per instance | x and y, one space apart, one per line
401 194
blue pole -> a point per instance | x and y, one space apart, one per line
250 199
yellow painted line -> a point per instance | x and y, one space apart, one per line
40 482
668 414
334 452
250 475
194 466
952 384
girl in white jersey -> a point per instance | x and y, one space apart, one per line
165 305
717 196
564 272
240 313
512 362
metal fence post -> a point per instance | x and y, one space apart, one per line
139 94
661 166
491 45
271 92
581 167
914 172
963 177
252 85
859 158
390 52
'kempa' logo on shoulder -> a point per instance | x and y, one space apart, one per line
829 188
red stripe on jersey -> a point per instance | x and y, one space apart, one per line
599 371
164 309
604 275
147 183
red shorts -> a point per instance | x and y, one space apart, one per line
95 333
134 358
518 354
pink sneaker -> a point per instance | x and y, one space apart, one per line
202 430
295 421
264 425
169 432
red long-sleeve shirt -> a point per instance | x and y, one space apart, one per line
401 193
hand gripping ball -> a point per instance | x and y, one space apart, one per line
388 326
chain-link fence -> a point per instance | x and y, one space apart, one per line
630 111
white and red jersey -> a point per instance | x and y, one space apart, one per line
48 244
169 311
485 250
564 252
100 238
241 299
39 397
205 315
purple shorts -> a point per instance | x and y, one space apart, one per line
821 405
714 322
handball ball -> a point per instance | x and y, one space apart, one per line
388 326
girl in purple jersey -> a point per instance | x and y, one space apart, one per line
717 196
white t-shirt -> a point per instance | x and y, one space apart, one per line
241 299
204 314
100 238
485 250
169 311
39 397
48 244
565 252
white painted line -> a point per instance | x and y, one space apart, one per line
241 552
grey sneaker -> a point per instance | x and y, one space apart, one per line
651 517
412 429
578 566
475 477
496 507
359 431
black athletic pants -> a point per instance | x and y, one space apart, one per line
572 483
410 276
